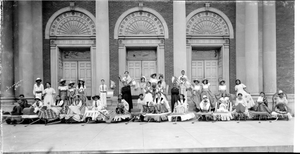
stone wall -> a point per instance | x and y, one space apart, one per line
49 8
116 8
228 8
285 45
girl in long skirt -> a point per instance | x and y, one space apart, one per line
174 95
163 83
148 94
63 91
196 91
142 85
262 103
242 101
182 79
223 90
241 88
103 92
38 88
206 91
49 94
71 92
80 90
153 81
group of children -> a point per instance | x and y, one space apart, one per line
223 101
153 97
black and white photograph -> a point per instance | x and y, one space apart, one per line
148 76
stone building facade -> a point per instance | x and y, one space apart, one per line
94 40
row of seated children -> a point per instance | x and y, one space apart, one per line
225 105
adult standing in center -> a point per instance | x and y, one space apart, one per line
125 90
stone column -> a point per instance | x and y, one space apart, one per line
179 28
7 59
225 65
251 47
102 42
269 47
37 39
25 44
240 41
161 59
122 63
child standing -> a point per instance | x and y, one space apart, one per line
71 92
38 88
103 92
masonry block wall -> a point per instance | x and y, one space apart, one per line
285 45
229 8
116 8
49 8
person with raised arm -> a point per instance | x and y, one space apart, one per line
126 90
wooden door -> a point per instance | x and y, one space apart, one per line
134 68
206 69
211 73
84 72
70 71
197 70
148 68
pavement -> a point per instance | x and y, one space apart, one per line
141 137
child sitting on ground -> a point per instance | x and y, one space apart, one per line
37 105
122 106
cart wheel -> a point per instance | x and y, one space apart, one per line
19 122
8 121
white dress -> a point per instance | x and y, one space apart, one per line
148 95
182 84
204 106
38 91
248 98
103 93
224 105
181 107
49 97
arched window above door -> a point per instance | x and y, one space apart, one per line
208 22
141 22
66 22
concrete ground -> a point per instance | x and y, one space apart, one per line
202 136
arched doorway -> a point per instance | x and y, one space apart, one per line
141 33
208 33
71 32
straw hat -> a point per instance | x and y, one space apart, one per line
153 75
71 82
196 80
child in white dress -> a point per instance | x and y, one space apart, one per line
38 89
37 105
205 104
241 88
103 92
181 105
